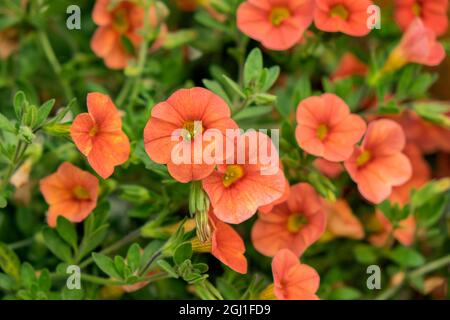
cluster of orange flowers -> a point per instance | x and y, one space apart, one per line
291 218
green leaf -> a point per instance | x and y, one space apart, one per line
6 125
57 245
7 282
45 280
134 257
216 87
345 293
9 262
93 240
406 257
167 268
67 231
182 253
72 294
44 111
27 275
434 112
365 254
234 86
3 202
253 67
20 101
106 264
120 266
252 112
272 76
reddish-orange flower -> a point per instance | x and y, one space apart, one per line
347 16
341 222
418 45
328 168
125 19
293 280
236 189
98 135
267 208
182 122
433 13
70 192
349 65
326 128
295 224
404 233
379 164
278 25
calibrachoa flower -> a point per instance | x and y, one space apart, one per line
236 189
404 233
418 45
341 222
70 192
278 25
347 16
226 245
98 135
283 198
125 19
379 164
433 13
192 113
328 168
292 280
294 224
326 128
349 65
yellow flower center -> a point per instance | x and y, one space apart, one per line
199 246
278 15
339 11
417 9
363 158
322 131
120 21
81 193
193 128
233 173
268 293
295 222
93 131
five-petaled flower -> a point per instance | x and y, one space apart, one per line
326 128
346 16
185 122
278 25
379 164
98 135
70 192
295 224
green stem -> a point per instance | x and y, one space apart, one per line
20 244
17 158
429 267
56 66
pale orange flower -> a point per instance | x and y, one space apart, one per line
326 128
404 233
379 164
328 168
341 222
295 224
194 112
433 13
283 198
418 45
292 280
347 16
278 25
70 192
237 189
98 135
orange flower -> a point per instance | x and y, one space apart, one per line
347 16
98 135
292 279
226 245
326 128
198 111
433 13
267 208
341 221
125 19
295 224
236 189
418 45
70 192
404 233
278 25
379 163
349 65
